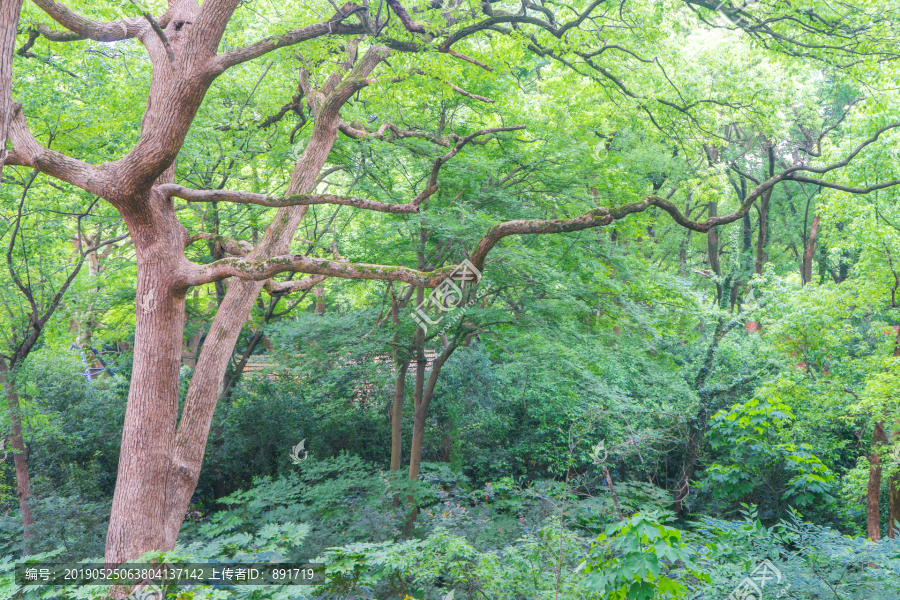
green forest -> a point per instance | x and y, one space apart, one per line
450 299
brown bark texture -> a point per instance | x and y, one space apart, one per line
9 22
20 456
873 492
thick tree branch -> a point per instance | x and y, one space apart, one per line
190 195
28 152
334 26
259 270
404 17
112 31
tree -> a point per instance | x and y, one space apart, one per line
161 454
37 290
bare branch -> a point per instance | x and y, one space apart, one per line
165 41
469 59
852 155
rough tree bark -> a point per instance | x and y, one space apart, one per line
873 516
9 23
20 457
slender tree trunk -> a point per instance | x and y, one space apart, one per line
20 458
206 384
697 425
712 243
320 300
894 481
763 233
810 251
873 518
419 420
612 492
397 414
894 499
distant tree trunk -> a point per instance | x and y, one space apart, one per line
712 242
397 413
20 458
712 250
810 251
894 499
320 300
697 426
763 234
423 396
873 518
894 481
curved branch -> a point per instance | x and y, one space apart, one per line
171 189
112 31
404 17
845 188
28 152
600 217
259 270
333 26
852 155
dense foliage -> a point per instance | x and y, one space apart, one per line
633 411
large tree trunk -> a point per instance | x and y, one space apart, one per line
9 22
20 458
145 458
873 518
